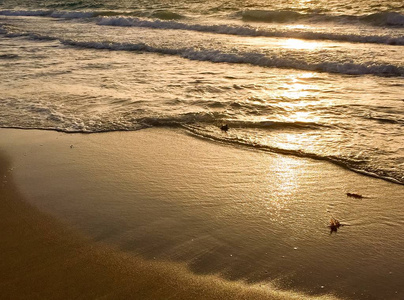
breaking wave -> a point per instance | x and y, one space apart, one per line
165 19
217 56
67 14
387 18
253 58
247 30
394 19
48 13
278 16
166 15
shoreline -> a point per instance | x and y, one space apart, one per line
287 153
246 147
167 208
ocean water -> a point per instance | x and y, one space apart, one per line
321 79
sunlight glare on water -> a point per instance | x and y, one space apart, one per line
301 44
297 88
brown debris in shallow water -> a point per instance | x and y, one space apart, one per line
354 195
334 225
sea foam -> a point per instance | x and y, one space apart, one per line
219 56
247 30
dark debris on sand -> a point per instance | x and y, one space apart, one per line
334 225
224 127
354 195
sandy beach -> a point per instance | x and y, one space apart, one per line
159 214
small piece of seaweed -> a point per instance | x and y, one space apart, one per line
334 225
354 195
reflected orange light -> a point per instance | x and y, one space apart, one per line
300 44
297 87
277 201
296 26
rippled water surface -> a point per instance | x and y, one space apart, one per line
318 79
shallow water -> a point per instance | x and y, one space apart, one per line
319 79
278 94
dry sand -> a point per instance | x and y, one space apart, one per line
78 220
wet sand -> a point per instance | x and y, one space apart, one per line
42 259
158 214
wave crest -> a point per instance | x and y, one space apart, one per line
68 14
252 58
385 19
394 19
167 20
166 15
278 16
247 30
49 13
217 56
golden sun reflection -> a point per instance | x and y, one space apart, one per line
296 26
302 116
287 172
300 44
299 86
297 90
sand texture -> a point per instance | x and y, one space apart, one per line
158 214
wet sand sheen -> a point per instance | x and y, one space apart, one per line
41 259
211 209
